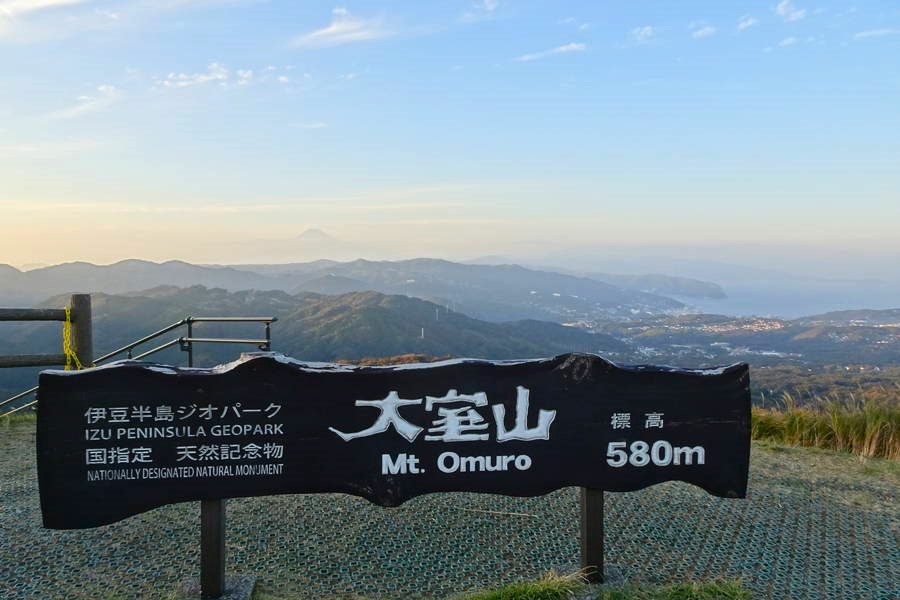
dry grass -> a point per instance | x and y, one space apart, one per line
23 416
563 587
551 587
714 590
866 424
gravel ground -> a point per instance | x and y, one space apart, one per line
816 525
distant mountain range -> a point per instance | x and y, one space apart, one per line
861 317
311 326
653 283
360 325
491 292
310 245
28 287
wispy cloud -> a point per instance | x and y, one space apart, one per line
244 76
703 32
312 125
215 73
788 41
376 200
581 26
146 208
746 22
481 9
14 8
570 47
643 34
47 149
874 33
220 75
113 16
787 11
271 73
15 15
343 29
31 21
105 96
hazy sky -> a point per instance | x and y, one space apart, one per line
171 128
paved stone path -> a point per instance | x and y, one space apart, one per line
817 525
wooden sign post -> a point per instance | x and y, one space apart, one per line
212 548
116 441
592 542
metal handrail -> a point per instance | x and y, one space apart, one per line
189 340
157 349
232 319
129 347
186 344
19 395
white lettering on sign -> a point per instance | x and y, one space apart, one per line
660 454
620 421
256 470
218 450
389 415
117 455
139 414
226 452
403 464
653 420
458 424
521 430
451 462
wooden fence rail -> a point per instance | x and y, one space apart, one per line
82 338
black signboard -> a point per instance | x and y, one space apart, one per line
119 440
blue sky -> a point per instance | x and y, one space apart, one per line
157 128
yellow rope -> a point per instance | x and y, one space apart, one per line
71 357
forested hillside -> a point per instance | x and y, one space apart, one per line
310 326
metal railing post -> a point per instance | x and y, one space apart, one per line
190 345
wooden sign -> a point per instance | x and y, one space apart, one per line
119 440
